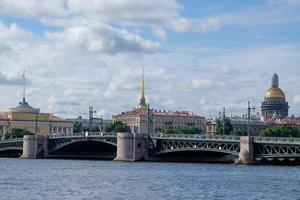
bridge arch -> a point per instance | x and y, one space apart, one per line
84 148
219 151
11 152
196 155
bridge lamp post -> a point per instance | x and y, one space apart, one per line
50 124
223 119
249 117
150 119
36 132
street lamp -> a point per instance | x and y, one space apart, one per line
150 119
223 119
249 117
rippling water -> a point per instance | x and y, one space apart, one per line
81 179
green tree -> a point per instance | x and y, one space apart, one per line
281 131
117 127
227 125
241 132
17 133
169 130
189 131
93 129
77 127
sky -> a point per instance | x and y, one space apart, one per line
198 55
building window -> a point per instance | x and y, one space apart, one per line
139 145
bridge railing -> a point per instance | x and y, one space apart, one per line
11 140
83 134
277 140
195 136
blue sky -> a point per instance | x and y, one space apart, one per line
197 55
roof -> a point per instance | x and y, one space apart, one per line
159 113
3 116
274 92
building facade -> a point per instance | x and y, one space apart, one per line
274 105
142 119
239 124
28 118
95 122
149 121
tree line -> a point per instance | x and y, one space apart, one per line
273 131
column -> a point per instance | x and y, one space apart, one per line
4 131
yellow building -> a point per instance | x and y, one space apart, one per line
142 119
28 118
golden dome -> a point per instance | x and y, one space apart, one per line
274 92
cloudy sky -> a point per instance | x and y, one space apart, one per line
198 55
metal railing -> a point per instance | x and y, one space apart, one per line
11 140
195 136
84 134
287 140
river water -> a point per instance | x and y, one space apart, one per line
86 179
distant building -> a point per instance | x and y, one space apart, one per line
274 105
142 119
239 123
293 121
95 122
26 117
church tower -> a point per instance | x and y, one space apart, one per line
142 104
274 105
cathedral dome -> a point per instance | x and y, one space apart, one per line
274 105
274 92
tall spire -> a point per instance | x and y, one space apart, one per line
143 86
142 104
24 85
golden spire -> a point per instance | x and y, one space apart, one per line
142 104
143 86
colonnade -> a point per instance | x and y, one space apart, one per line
61 130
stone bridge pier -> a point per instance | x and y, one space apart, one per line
35 146
131 147
246 155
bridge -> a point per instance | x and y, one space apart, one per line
156 147
263 148
77 145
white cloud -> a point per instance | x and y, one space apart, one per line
102 38
182 24
122 81
161 33
284 1
6 80
155 14
87 58
200 83
131 12
216 106
208 24
33 8
13 32
296 99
